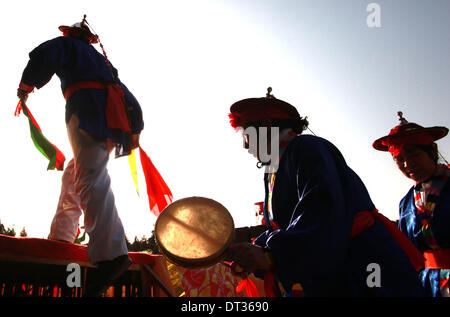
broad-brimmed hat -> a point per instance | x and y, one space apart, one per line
408 133
262 110
79 29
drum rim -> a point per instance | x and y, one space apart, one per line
191 263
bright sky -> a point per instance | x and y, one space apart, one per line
188 61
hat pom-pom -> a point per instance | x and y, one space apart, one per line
235 121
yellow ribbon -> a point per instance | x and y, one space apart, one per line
132 162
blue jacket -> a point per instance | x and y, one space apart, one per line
74 60
440 224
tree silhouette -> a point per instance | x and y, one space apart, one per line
144 244
23 233
7 231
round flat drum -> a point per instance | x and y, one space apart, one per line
194 232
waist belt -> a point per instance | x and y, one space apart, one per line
437 259
365 219
115 111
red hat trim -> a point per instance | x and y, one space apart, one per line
396 145
409 134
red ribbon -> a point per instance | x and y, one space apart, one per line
157 189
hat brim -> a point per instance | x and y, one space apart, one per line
435 132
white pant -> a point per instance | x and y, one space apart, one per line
86 186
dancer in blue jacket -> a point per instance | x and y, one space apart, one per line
101 113
324 236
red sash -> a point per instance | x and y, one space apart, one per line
437 259
116 116
365 219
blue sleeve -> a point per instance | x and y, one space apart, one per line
46 60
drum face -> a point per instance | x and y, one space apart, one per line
194 232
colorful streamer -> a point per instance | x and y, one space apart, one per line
159 194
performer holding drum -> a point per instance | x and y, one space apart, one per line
324 236
101 113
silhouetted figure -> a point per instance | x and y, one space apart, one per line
101 113
324 236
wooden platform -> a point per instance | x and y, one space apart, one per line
39 268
